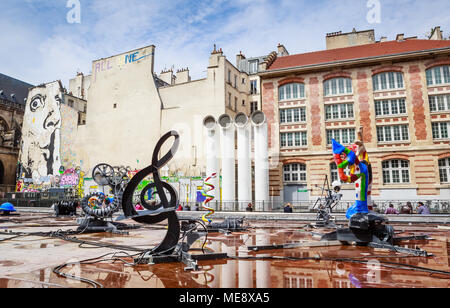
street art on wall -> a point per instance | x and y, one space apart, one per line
40 148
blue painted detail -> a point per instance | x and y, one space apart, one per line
131 58
337 147
351 158
7 207
358 207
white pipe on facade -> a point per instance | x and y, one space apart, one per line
212 159
227 146
244 161
245 267
262 198
228 275
263 267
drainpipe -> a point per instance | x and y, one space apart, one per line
244 161
262 198
227 146
212 160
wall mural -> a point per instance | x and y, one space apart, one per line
40 148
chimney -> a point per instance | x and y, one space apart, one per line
383 39
436 34
400 37
239 58
167 76
282 51
183 76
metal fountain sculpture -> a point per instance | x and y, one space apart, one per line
98 208
170 249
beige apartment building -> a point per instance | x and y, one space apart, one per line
398 91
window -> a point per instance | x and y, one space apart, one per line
298 283
390 107
396 172
292 91
115 106
388 81
235 81
70 103
444 170
342 111
439 103
243 102
338 86
294 173
229 76
254 87
297 139
235 103
438 75
243 80
440 130
345 135
229 100
393 133
293 115
254 66
335 174
253 107
3 126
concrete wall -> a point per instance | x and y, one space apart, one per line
185 107
124 111
355 38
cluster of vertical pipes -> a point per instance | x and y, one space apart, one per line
224 132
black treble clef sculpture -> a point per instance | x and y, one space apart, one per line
163 210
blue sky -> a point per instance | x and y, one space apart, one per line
39 45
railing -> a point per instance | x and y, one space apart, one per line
4 189
435 206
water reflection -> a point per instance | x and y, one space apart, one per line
278 273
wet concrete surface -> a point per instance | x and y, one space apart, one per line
28 262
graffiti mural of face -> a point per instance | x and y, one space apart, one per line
41 138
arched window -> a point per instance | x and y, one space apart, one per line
338 86
294 173
444 170
388 81
438 75
292 91
396 171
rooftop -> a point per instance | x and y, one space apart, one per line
380 49
14 86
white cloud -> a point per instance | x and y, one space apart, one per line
41 46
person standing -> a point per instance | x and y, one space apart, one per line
288 208
249 208
391 210
422 209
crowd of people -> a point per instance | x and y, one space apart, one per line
421 209
407 209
